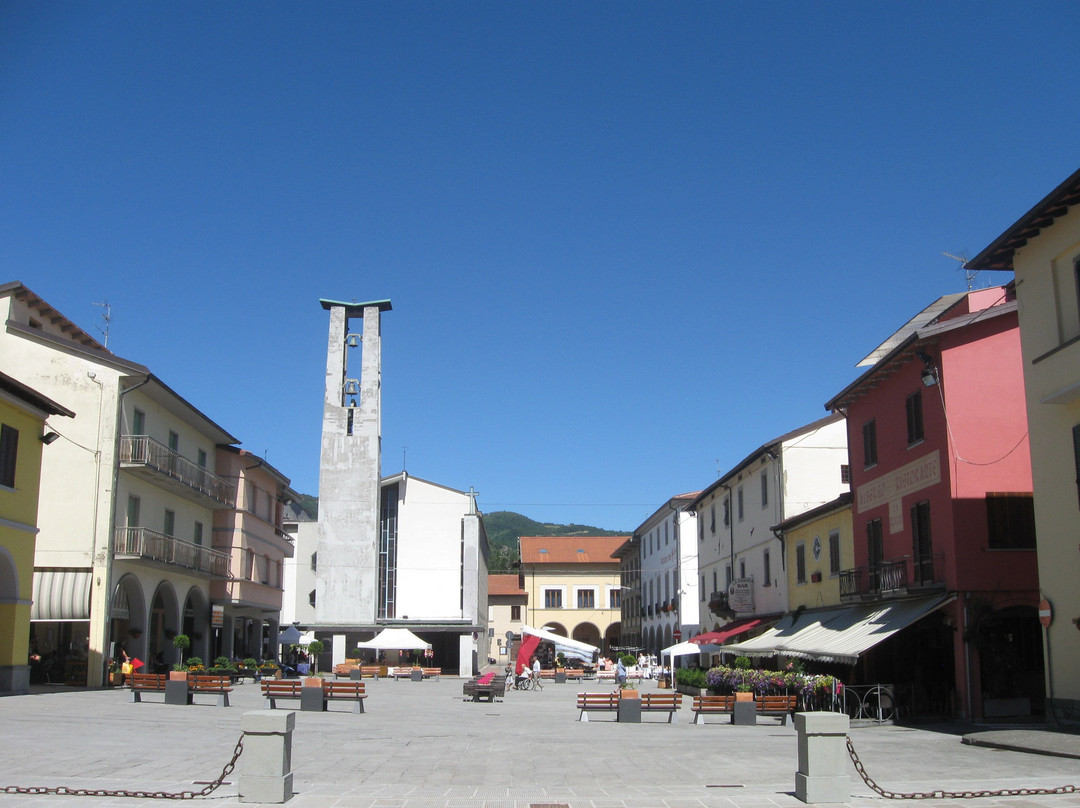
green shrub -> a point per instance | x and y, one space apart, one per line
691 677
742 663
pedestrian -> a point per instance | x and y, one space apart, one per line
620 671
535 670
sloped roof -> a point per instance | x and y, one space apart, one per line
505 585
999 255
928 315
570 549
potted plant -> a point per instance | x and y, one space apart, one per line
315 647
116 677
628 691
181 642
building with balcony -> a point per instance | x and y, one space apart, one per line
1042 248
23 412
668 585
631 601
818 548
742 577
944 553
247 604
573 586
129 492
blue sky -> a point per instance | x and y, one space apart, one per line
626 243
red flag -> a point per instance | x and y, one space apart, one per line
136 663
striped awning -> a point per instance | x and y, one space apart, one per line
61 595
839 635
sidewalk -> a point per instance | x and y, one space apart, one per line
418 745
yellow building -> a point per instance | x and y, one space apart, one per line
573 586
22 438
1043 250
818 544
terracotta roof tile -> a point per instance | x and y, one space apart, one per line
504 585
570 549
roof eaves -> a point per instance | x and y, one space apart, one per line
999 254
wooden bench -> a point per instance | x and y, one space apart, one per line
274 689
345 691
476 690
431 673
343 670
146 683
220 686
574 673
400 673
608 676
782 707
597 702
547 673
663 703
712 705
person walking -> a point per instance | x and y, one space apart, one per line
620 671
536 673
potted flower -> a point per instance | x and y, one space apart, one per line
628 691
315 647
181 642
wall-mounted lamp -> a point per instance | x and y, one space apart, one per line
929 377
49 437
353 340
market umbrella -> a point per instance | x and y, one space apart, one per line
290 636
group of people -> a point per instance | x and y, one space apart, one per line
532 672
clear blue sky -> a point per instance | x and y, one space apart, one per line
626 243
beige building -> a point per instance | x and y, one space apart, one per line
1043 250
818 545
573 586
507 602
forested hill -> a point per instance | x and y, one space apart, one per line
504 528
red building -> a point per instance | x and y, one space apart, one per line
943 513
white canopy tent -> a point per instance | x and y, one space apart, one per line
290 636
564 645
686 649
395 639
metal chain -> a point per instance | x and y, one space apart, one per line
949 795
145 795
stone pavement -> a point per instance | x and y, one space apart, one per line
418 745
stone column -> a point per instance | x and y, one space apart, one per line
823 758
266 764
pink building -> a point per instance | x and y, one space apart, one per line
247 605
943 514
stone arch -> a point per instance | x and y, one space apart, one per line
163 624
556 628
586 632
129 617
196 623
613 636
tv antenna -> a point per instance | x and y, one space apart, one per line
106 318
969 274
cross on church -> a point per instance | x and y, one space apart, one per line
473 494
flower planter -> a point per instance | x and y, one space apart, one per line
629 694
313 681
178 676
741 696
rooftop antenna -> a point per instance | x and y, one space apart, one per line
969 274
106 318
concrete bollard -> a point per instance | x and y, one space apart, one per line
266 764
823 758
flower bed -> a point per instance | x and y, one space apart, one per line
815 692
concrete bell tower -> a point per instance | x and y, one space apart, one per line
347 574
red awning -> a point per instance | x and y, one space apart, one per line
727 632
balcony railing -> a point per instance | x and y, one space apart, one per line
144 451
148 544
895 577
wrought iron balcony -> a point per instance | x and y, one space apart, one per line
894 578
149 545
163 465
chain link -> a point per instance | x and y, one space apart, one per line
948 795
145 795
